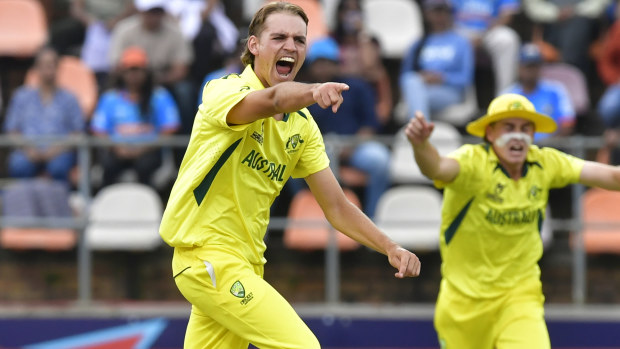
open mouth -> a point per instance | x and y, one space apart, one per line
284 66
516 149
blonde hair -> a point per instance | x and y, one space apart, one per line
257 25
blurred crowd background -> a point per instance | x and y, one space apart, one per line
131 72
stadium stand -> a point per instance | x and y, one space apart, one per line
307 211
395 23
125 216
574 81
23 27
403 168
601 233
411 216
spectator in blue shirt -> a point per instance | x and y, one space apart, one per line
45 110
438 67
355 117
133 112
549 97
485 23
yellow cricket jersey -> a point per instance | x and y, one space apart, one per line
230 175
490 232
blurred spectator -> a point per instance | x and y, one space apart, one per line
133 112
356 116
609 71
549 97
569 25
485 23
361 55
66 32
213 35
439 66
46 110
99 17
232 65
37 197
170 54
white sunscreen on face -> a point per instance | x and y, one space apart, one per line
517 136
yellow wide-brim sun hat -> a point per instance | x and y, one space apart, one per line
511 105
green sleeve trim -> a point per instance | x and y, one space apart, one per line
201 190
456 223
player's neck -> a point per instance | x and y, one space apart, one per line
514 171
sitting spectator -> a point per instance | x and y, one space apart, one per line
439 66
38 197
609 71
549 97
133 112
46 110
170 54
99 17
356 116
569 25
361 55
485 23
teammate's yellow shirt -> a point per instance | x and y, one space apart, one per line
230 175
490 232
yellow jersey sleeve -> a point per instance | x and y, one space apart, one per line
564 169
313 159
219 96
468 158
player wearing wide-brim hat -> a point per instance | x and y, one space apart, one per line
495 196
511 106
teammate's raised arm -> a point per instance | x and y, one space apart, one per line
431 163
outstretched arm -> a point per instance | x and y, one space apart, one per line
285 97
348 219
595 174
432 165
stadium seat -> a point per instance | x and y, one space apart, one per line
38 198
462 113
352 177
53 239
573 80
76 77
23 27
125 216
458 114
306 209
330 8
411 216
601 233
395 23
403 168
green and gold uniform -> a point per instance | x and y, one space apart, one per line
217 216
490 294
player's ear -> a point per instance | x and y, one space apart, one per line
488 134
253 44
